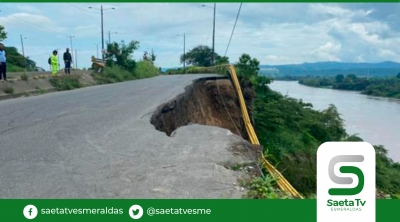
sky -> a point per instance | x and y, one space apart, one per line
274 33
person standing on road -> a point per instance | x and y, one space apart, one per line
3 65
67 61
54 63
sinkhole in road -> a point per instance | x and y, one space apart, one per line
207 101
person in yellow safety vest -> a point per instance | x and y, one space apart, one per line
54 63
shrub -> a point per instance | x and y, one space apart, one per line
112 74
145 69
263 188
65 82
199 70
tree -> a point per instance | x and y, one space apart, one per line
3 33
339 78
199 56
352 77
15 58
146 56
150 58
220 60
248 66
153 56
120 54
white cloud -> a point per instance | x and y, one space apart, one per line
276 59
275 33
38 22
327 52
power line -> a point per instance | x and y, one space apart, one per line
40 28
233 30
82 9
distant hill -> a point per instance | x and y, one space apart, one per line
332 69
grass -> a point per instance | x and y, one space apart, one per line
263 188
13 68
65 82
197 69
115 73
40 90
112 75
145 69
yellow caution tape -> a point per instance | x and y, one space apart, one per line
283 184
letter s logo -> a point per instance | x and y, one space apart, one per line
346 180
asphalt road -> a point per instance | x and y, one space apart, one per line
97 142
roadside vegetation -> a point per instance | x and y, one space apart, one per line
65 82
383 87
15 61
120 66
291 132
199 60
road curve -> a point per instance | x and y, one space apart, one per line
97 142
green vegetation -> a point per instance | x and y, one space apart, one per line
199 56
263 188
116 73
120 66
40 90
112 74
388 87
15 61
121 55
65 82
202 56
13 68
3 33
247 67
291 132
145 69
387 173
197 69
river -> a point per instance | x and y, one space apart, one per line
375 119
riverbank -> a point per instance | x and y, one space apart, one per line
293 123
380 87
375 119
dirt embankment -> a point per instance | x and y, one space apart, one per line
208 102
37 84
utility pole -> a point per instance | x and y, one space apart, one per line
102 28
72 50
213 37
213 44
23 53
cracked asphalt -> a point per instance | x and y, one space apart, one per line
97 142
